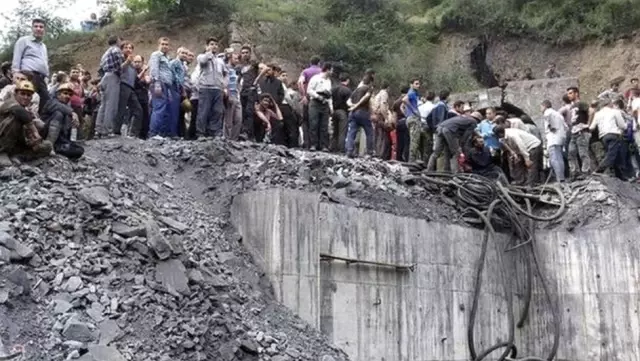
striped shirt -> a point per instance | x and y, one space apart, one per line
112 60
232 85
159 68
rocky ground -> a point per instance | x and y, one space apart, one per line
128 254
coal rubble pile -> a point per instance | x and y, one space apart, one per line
98 264
128 254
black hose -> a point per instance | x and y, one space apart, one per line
555 312
495 205
478 278
528 293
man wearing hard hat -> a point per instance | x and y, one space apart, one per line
59 124
18 133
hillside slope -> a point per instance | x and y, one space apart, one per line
594 63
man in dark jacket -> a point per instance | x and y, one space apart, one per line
481 161
340 117
59 119
451 135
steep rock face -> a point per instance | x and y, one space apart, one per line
594 64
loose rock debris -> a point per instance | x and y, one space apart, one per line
128 254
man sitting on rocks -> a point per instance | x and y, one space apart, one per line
59 118
9 93
18 133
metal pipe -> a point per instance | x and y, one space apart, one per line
403 267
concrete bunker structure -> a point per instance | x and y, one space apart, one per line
382 313
527 95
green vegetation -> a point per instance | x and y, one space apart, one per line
559 22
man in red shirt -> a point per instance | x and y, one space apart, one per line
77 99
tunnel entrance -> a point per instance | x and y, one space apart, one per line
481 70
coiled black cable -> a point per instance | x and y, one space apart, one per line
499 207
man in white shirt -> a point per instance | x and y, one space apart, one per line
555 135
526 148
611 125
320 108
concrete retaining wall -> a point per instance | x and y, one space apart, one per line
377 313
527 94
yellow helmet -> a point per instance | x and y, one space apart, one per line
26 86
187 106
65 87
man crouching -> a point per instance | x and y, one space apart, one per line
59 120
19 135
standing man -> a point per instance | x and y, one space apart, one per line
161 83
178 93
360 117
248 96
110 71
611 125
233 112
413 120
289 116
30 57
555 132
128 106
211 87
303 84
140 127
320 109
340 119
579 158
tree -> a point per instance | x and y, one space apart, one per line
19 20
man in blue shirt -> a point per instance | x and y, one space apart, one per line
485 129
233 111
179 71
162 80
30 57
413 119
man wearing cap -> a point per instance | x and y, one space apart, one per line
451 135
30 57
58 123
8 93
18 133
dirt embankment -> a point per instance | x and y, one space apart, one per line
594 63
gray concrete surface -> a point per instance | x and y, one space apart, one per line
526 94
376 313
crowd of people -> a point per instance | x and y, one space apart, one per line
231 94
